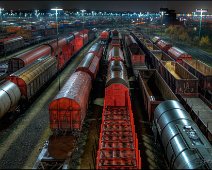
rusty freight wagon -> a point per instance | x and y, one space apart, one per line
154 90
178 78
136 55
163 45
201 70
156 57
178 54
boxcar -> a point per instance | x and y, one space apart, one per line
32 77
68 109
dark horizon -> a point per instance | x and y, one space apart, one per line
141 6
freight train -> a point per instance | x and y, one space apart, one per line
67 46
35 69
118 143
68 109
24 38
184 144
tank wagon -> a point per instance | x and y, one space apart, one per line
184 144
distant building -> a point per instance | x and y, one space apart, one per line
168 16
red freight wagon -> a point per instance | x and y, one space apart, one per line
85 38
117 84
104 35
68 109
11 43
118 143
32 77
63 51
178 54
90 65
163 45
137 56
27 58
116 54
79 42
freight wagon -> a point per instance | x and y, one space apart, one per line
11 44
201 70
118 143
156 39
154 90
156 57
136 55
178 78
178 54
184 144
200 110
68 109
163 45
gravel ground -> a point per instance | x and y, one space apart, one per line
20 143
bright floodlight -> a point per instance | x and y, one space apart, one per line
57 9
83 10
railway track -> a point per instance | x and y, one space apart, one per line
20 143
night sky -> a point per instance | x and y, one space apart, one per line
152 6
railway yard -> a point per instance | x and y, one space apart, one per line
107 99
